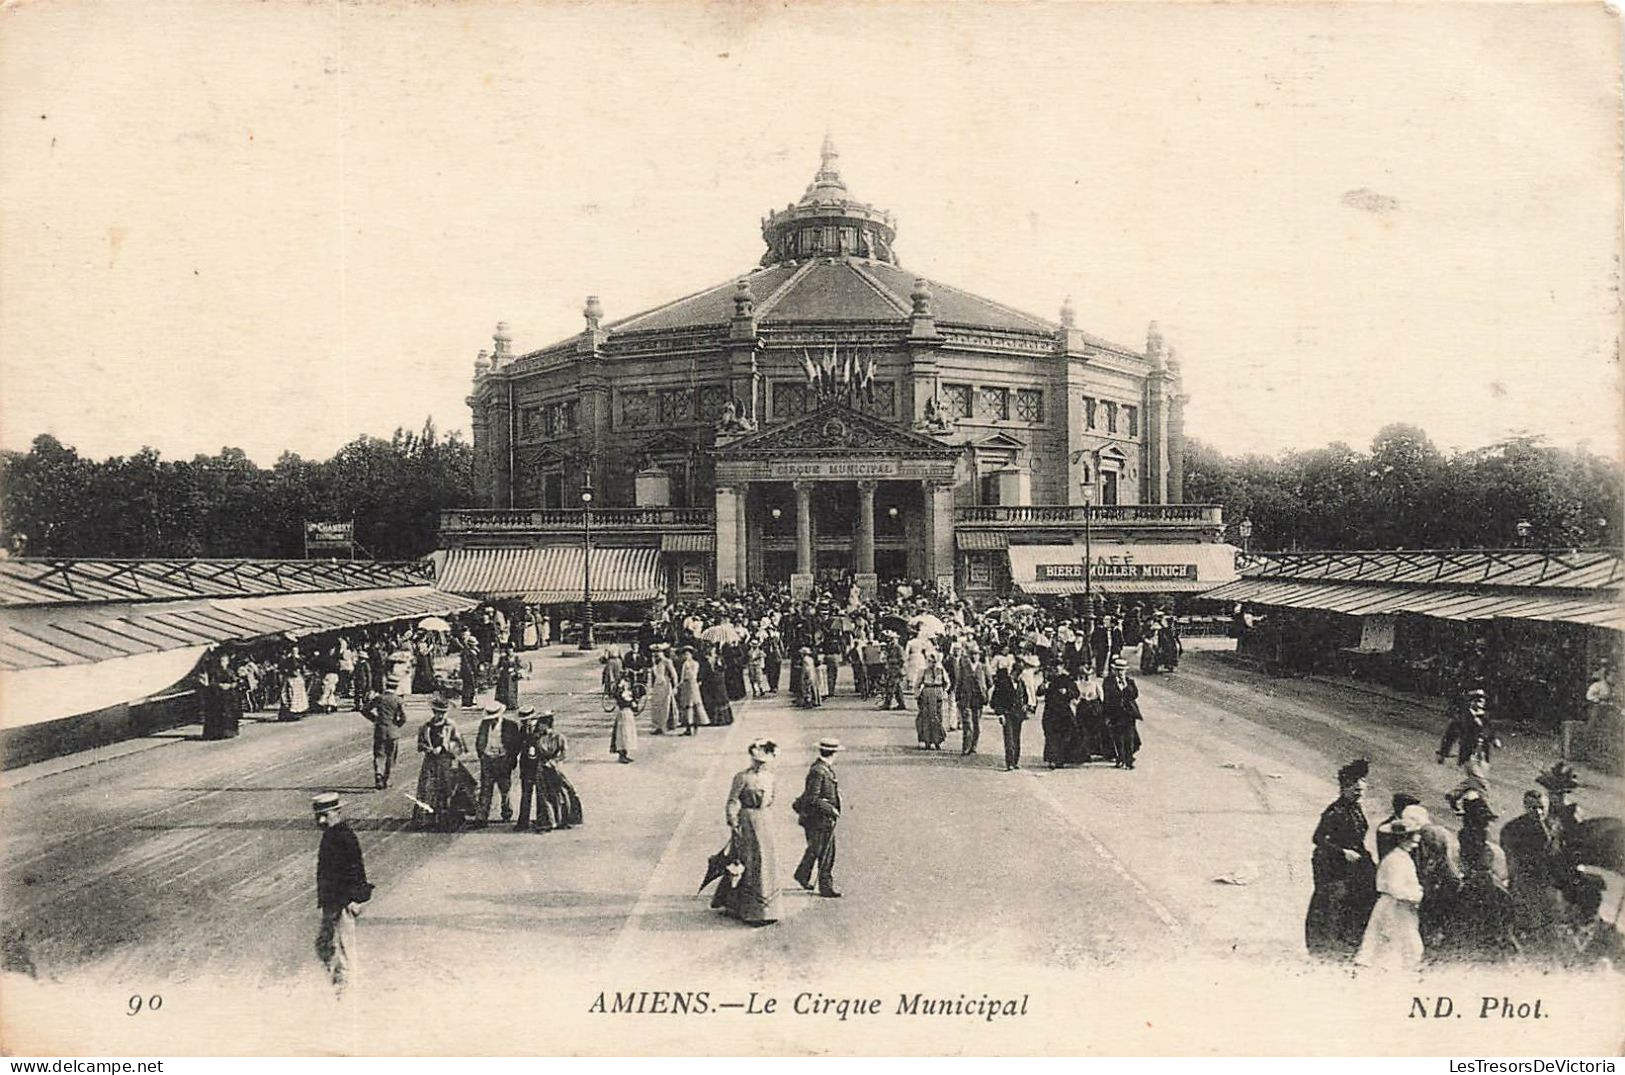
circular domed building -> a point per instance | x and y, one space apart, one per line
828 412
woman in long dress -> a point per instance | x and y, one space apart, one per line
754 896
732 657
1343 872
714 690
623 735
1059 722
933 692
295 698
690 706
508 674
914 661
438 780
422 667
1393 935
662 690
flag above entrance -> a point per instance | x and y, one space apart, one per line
1117 568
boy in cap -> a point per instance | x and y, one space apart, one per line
341 887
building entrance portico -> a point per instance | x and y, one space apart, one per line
833 491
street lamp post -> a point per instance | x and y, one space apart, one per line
586 564
1245 529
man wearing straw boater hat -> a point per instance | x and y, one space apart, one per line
819 808
341 887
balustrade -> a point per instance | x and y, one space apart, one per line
1074 514
500 519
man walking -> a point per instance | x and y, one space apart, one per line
1121 704
388 716
819 809
497 744
468 668
341 887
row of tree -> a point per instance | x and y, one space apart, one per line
1404 493
57 503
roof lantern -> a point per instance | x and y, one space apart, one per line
828 221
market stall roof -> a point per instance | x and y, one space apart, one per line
62 634
1173 567
1572 587
554 575
31 581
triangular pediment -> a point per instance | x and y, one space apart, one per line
1001 441
664 444
837 430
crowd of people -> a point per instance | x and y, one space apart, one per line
1432 894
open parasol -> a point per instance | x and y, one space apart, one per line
929 624
433 623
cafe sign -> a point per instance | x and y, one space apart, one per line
1116 572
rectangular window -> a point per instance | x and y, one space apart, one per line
990 489
1090 412
956 400
713 397
882 402
553 490
1111 417
1131 417
1029 405
676 407
994 402
530 421
635 410
1108 488
789 399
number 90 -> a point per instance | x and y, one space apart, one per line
151 1004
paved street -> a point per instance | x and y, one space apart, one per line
192 862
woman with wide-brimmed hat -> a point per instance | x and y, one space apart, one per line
752 894
1393 933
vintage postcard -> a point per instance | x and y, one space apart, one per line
811 529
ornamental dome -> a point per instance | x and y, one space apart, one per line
828 221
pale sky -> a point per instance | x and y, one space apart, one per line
282 225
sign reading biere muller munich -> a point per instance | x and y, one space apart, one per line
1114 572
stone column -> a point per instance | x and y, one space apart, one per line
741 547
804 556
866 528
728 522
939 529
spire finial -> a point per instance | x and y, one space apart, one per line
829 155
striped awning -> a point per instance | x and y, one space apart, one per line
1116 568
1353 599
688 542
553 576
981 540
65 634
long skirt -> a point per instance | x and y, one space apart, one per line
508 691
1393 938
423 674
623 736
329 698
928 720
950 715
1338 911
755 896
560 797
1058 748
734 678
443 784
660 710
716 705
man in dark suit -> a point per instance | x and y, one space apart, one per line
468 668
1121 708
341 887
497 745
819 808
388 716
